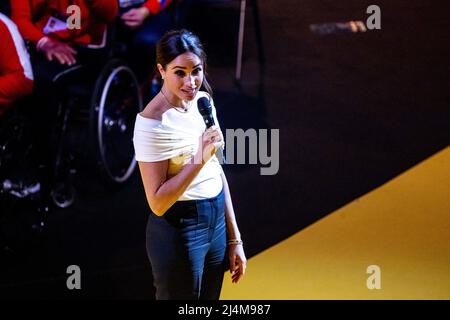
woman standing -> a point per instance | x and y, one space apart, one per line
192 231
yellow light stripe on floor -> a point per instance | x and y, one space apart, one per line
403 227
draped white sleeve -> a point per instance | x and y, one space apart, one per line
176 138
154 141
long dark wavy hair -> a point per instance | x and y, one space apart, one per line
177 42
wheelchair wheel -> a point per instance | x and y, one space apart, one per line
115 104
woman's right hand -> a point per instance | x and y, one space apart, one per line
210 141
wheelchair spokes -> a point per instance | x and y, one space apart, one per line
119 102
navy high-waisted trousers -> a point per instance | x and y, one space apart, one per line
187 249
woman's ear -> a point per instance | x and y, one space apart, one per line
161 70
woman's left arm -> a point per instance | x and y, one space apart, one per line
238 261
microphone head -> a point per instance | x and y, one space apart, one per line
204 106
205 109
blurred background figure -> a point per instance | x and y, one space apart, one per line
142 23
16 83
16 75
43 24
58 55
57 51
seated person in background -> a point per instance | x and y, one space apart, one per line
57 54
142 24
16 75
134 13
44 24
56 49
16 82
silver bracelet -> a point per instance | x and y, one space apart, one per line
235 241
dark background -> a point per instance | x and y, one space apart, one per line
353 110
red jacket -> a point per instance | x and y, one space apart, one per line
31 16
155 6
16 75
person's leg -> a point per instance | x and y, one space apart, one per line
215 266
215 259
94 59
52 78
44 112
176 253
51 81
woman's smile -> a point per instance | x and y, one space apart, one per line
189 93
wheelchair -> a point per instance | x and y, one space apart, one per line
99 113
92 140
95 126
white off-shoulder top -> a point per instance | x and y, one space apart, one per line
176 138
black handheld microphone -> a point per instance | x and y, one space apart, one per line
205 109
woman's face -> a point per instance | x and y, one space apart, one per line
183 77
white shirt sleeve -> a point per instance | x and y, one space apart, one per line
156 142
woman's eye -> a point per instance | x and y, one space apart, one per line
196 71
180 73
